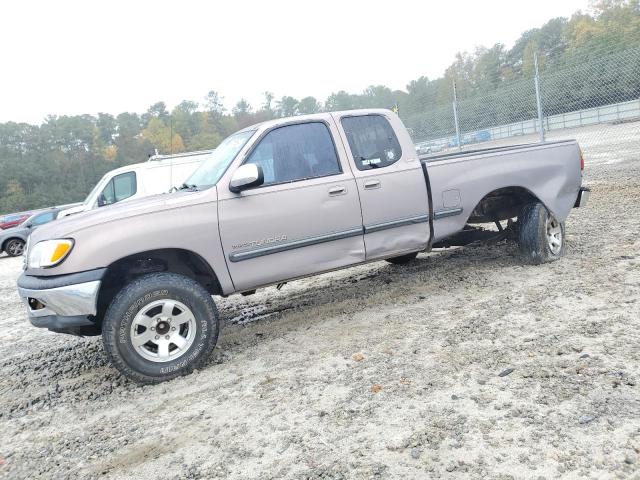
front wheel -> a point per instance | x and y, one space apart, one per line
540 235
14 247
159 327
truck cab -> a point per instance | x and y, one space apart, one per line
333 175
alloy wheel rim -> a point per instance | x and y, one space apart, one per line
15 248
163 330
554 235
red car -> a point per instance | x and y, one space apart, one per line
13 220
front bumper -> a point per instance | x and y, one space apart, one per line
583 197
65 303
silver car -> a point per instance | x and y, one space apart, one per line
13 240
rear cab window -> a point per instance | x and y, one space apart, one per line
372 141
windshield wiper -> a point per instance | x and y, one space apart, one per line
189 186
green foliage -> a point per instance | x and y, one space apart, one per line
60 160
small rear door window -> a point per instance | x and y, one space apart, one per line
372 141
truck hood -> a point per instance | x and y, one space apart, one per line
67 226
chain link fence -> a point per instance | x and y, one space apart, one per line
595 99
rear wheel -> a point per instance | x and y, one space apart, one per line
402 259
14 247
540 235
159 327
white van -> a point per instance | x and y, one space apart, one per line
157 175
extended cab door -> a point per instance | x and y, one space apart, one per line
392 187
304 219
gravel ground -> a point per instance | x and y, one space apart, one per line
463 364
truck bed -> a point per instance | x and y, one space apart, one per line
429 158
491 184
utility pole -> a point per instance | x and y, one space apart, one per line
455 115
171 135
538 99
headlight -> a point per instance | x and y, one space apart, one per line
49 253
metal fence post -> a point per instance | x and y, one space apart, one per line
538 98
455 115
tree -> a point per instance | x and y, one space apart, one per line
107 127
158 110
286 107
378 96
309 105
488 70
241 108
204 141
213 104
13 198
185 120
159 136
341 101
268 99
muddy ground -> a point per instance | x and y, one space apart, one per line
463 364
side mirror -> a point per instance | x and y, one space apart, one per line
28 225
102 200
246 176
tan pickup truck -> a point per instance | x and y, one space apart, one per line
281 200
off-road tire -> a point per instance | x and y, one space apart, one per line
403 259
116 326
14 247
533 237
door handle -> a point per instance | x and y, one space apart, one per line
337 190
371 184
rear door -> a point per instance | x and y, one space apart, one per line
304 219
392 187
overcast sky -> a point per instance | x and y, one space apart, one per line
72 57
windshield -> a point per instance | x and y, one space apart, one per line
210 171
94 191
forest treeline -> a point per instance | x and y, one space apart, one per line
60 160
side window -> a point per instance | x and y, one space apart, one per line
44 218
119 187
372 141
296 152
124 186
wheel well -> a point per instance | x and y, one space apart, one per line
174 260
501 204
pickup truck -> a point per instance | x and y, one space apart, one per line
281 200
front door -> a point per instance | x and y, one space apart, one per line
392 187
304 219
